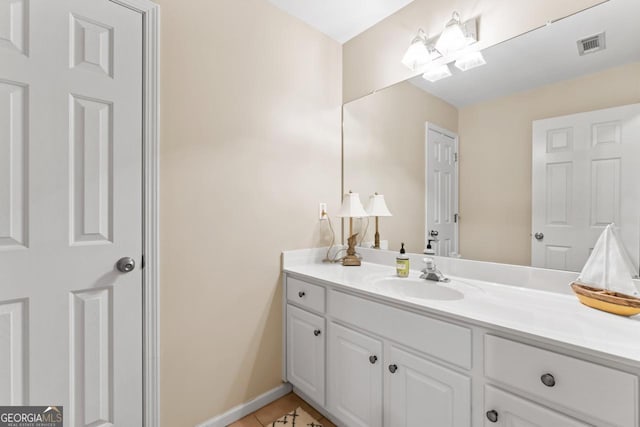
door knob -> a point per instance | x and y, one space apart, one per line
373 359
548 380
317 332
126 264
539 236
393 368
492 416
433 233
301 294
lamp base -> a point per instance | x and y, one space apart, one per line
351 260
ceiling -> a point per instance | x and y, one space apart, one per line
546 55
341 19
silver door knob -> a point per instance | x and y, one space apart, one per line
433 233
126 264
539 236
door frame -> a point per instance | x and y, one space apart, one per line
150 13
454 136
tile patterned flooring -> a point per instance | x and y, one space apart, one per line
266 415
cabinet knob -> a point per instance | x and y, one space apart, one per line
317 332
548 380
393 368
373 359
492 416
301 294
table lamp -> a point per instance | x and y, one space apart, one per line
351 208
377 207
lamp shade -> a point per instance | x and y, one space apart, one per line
351 207
453 37
377 206
436 73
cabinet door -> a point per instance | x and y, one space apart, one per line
424 394
507 410
305 352
354 377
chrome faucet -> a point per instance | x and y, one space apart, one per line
431 272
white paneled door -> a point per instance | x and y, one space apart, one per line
70 208
586 174
441 201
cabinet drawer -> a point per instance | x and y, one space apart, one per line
506 409
306 294
603 393
446 341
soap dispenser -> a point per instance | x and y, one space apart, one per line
402 263
429 249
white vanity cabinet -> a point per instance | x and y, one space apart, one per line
423 393
354 377
368 361
306 338
306 352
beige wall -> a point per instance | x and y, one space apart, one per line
372 59
250 144
384 152
495 158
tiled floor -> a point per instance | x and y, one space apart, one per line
266 415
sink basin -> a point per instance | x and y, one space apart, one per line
417 288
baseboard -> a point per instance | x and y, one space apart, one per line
244 409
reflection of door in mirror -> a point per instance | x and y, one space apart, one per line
586 170
441 201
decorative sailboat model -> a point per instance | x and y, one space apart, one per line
605 282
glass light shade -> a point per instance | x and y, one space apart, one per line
416 56
351 207
377 206
437 73
453 37
471 60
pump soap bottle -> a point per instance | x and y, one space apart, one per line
402 263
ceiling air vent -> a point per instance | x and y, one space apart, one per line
591 44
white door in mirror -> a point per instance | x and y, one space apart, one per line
441 201
586 169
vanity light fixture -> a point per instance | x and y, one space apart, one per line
419 52
377 207
351 208
436 73
455 36
469 61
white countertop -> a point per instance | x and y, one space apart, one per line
547 315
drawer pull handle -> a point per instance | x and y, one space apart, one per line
492 416
393 368
317 332
373 359
301 294
548 380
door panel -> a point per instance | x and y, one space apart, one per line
13 165
306 352
354 383
422 393
442 191
71 206
582 165
13 334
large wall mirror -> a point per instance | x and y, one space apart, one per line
523 160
